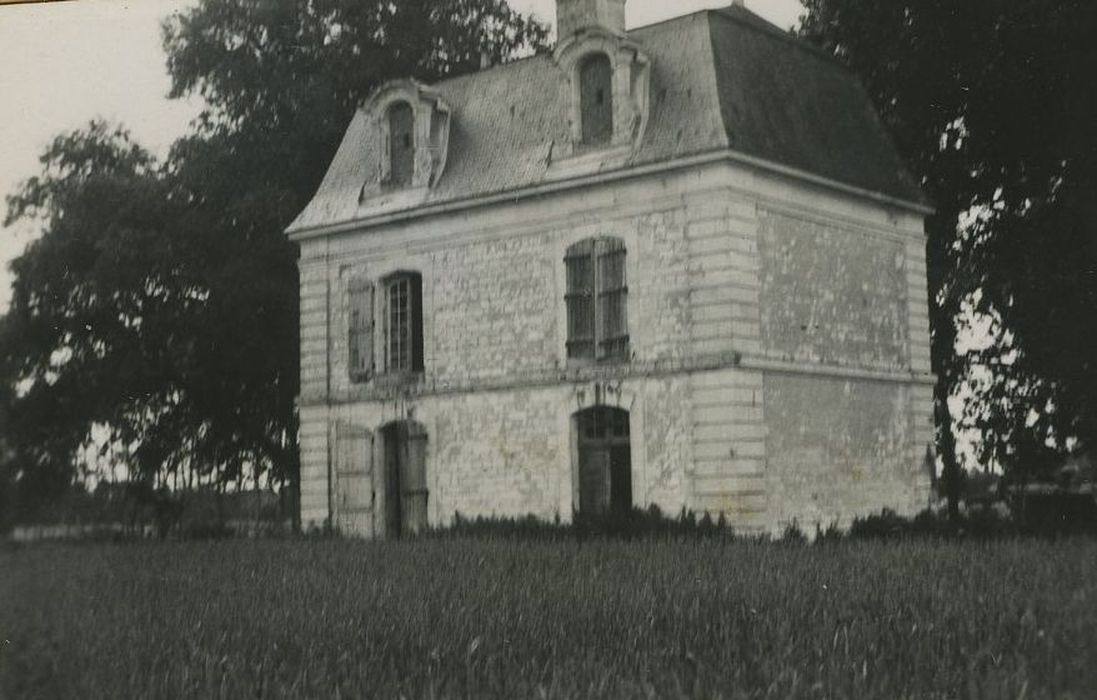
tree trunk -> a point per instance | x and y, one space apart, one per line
945 290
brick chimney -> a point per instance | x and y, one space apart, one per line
575 15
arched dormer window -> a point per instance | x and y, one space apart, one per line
596 99
407 141
607 78
401 144
597 300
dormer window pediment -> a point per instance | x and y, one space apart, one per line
608 78
410 123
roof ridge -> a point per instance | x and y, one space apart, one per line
668 20
760 24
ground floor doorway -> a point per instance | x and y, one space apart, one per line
405 470
605 460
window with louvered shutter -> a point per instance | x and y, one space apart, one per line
597 300
360 329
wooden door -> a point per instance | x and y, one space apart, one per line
406 493
605 461
395 436
413 481
594 479
353 488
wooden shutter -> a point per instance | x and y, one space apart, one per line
360 329
597 300
413 479
580 300
612 309
353 479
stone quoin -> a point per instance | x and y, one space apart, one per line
681 265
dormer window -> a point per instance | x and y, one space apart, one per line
409 136
607 79
401 144
596 99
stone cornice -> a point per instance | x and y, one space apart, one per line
624 173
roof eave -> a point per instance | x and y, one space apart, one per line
302 233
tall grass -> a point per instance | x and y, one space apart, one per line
557 619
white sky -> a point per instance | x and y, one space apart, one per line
64 63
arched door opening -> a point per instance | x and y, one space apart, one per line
405 448
605 460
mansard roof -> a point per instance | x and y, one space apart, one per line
721 80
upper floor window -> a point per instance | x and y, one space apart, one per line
596 99
397 302
401 144
360 329
404 323
597 300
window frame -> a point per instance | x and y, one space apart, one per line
404 176
589 303
598 135
411 361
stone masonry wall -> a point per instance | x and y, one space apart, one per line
508 453
839 449
832 294
494 302
779 339
842 296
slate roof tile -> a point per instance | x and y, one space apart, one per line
720 79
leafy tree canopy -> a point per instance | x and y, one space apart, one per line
160 303
993 103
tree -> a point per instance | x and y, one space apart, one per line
88 337
992 103
160 304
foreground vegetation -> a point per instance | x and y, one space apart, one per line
597 618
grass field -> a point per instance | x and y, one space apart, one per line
464 618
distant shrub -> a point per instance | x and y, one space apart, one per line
887 525
1054 513
528 527
983 522
650 523
793 535
831 533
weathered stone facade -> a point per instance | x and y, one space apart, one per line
772 376
778 364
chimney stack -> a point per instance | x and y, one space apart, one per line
575 15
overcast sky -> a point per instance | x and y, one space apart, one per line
64 63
